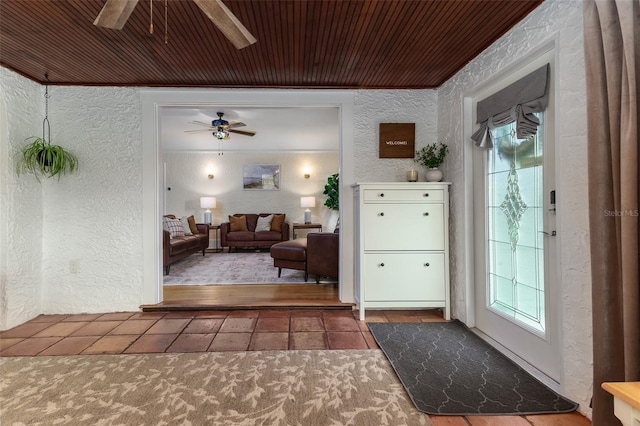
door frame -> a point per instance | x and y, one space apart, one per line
152 169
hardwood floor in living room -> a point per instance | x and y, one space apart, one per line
249 296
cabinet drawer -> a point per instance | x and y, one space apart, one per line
380 195
404 277
403 226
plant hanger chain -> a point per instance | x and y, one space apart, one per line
46 113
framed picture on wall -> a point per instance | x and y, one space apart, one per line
261 176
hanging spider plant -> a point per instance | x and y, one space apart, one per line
43 159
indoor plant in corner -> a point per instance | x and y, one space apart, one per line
43 159
332 191
432 156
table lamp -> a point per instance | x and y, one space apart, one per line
307 202
207 203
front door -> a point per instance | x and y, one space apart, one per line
516 291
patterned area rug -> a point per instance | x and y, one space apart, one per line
230 268
448 370
226 388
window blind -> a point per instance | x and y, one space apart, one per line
517 102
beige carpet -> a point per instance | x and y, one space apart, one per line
244 267
212 388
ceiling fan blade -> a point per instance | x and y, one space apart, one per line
201 123
243 132
114 13
226 22
198 131
234 124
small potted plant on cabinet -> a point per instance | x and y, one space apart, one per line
432 156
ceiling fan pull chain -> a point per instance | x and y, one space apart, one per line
150 17
166 28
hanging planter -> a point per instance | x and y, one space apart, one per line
43 159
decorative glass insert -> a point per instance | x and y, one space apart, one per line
513 205
515 221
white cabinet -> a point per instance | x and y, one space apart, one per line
402 245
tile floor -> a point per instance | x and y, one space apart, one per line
237 330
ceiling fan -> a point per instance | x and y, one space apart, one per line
115 13
220 128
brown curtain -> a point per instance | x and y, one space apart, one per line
612 61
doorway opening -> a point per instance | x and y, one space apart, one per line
337 292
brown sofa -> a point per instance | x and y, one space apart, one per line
317 254
174 249
250 238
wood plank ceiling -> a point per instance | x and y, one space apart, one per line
301 43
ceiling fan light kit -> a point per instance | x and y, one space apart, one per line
221 126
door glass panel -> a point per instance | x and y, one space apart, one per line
515 224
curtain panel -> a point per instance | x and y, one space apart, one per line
612 58
517 102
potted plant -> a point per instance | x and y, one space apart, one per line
332 191
40 157
432 156
43 159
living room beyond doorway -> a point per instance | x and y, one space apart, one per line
215 169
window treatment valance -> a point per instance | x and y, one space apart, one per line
517 102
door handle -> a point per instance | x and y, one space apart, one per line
552 234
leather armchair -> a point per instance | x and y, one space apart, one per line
323 254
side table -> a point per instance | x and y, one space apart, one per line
297 226
217 249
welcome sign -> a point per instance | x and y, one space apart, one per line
397 140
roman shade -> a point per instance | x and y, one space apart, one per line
517 102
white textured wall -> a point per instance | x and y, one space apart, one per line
92 226
187 177
561 20
21 213
373 107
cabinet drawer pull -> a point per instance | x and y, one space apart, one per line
426 194
381 213
382 264
425 214
382 194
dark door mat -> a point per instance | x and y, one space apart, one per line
448 370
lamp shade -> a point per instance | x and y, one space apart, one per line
307 202
208 202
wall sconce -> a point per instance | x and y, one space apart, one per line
306 172
307 202
210 175
307 175
207 203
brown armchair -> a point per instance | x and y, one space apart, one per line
318 254
323 255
